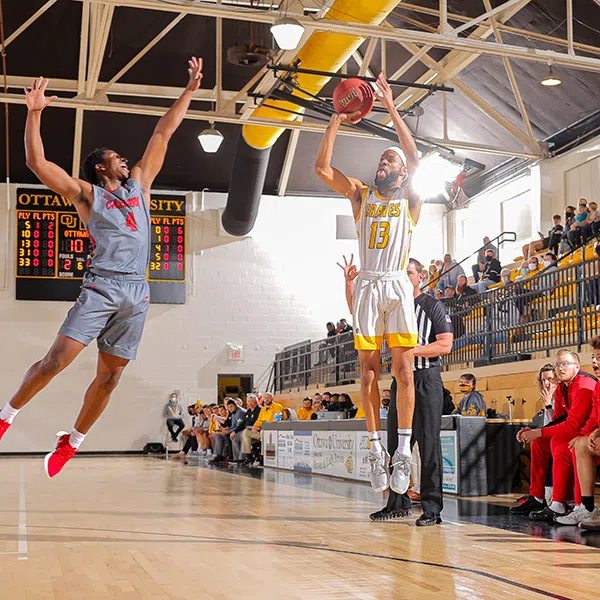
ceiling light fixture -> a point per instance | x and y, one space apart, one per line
287 33
210 139
551 79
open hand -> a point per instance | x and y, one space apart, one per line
349 268
521 432
573 442
384 92
36 96
347 118
195 73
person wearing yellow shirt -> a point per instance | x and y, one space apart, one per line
306 412
267 414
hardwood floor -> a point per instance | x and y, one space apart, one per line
148 528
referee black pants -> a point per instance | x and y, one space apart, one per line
427 423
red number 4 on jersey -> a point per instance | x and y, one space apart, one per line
130 222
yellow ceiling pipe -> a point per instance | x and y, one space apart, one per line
322 52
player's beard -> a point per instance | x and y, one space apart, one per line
389 181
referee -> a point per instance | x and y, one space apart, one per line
435 340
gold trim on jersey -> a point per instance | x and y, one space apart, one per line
368 342
362 203
402 340
408 211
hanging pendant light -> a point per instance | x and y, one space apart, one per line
287 33
551 79
210 139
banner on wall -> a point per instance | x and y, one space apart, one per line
333 453
269 444
449 462
285 449
303 451
363 467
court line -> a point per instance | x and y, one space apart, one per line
308 546
22 546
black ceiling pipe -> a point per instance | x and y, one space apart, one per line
245 188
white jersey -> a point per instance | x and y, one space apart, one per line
384 228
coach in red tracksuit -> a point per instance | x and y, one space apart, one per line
572 409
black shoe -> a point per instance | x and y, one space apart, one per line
218 458
390 514
530 505
428 518
546 514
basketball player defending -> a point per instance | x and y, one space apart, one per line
385 214
114 205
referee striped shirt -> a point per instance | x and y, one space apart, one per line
432 320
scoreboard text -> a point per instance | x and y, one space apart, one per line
53 247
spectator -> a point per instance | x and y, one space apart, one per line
551 241
550 262
534 265
347 406
491 271
191 442
331 330
252 411
524 271
592 227
317 409
334 405
305 413
574 235
569 219
448 292
173 413
223 439
463 290
204 418
572 409
326 398
472 403
317 398
438 294
586 449
505 276
344 327
266 415
481 258
386 396
450 273
546 383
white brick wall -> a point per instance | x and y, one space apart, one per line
276 288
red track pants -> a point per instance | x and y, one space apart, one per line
562 468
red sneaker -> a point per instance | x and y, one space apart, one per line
62 453
4 425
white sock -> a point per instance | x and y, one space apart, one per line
557 507
76 439
540 500
404 436
8 413
375 446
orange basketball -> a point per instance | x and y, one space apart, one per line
352 95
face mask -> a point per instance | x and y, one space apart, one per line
489 258
569 213
505 279
524 271
547 263
464 388
533 266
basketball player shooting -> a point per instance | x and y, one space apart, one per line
385 214
113 202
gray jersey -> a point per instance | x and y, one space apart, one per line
119 228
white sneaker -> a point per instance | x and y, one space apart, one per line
578 515
400 477
379 461
593 523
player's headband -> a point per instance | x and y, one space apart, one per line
398 151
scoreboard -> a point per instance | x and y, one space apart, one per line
53 247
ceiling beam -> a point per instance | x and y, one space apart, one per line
101 19
407 6
207 116
450 41
34 17
129 89
81 71
513 81
488 13
104 88
366 61
288 162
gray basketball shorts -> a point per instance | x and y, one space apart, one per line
111 310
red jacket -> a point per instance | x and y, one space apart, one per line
572 407
594 421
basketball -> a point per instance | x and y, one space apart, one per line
352 95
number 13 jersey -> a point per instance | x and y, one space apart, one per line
384 228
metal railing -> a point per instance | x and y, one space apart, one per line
553 309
